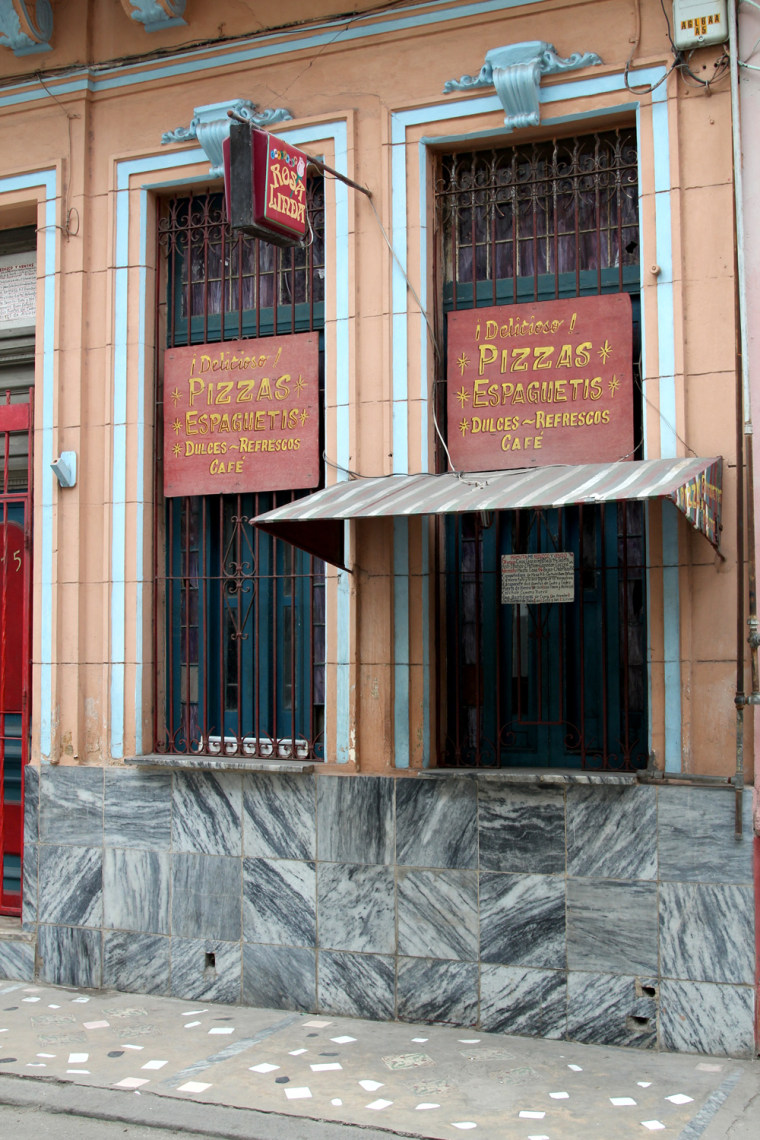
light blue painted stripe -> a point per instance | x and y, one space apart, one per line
44 496
424 332
401 641
125 171
267 46
303 137
668 426
140 476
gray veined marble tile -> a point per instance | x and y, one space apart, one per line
608 1009
206 970
612 926
69 956
279 815
612 832
138 809
356 908
356 985
135 963
17 960
206 813
71 806
280 977
29 890
698 1017
522 920
432 990
279 902
206 896
136 888
436 822
523 1001
707 932
31 804
696 835
355 819
438 914
70 885
522 829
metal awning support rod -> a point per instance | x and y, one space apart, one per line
317 162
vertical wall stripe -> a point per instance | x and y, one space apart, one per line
401 722
668 418
43 496
343 381
121 323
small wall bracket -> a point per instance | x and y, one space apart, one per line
65 469
155 15
515 71
210 125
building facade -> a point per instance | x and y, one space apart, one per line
455 730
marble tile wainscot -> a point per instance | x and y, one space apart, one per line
563 905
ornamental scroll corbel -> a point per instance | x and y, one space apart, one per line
515 71
210 125
26 28
156 15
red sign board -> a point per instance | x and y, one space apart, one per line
529 385
242 416
279 185
265 185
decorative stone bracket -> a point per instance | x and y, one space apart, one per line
26 28
156 14
515 71
210 125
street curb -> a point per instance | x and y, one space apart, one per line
155 1110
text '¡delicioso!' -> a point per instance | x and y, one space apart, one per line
242 419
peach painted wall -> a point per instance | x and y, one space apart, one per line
362 80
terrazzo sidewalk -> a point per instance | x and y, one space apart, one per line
394 1077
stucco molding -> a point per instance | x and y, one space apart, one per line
515 72
26 28
155 15
210 126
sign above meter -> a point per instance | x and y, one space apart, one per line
242 416
551 382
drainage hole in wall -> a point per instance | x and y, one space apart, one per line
633 1022
210 960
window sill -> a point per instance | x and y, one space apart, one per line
222 764
542 777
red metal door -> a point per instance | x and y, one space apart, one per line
15 640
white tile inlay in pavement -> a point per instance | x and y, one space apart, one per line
281 1062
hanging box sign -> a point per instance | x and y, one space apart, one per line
265 185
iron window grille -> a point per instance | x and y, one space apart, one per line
555 684
240 617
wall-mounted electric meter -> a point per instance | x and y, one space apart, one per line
698 23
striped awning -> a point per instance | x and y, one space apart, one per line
315 522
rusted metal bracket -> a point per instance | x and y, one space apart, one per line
317 163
